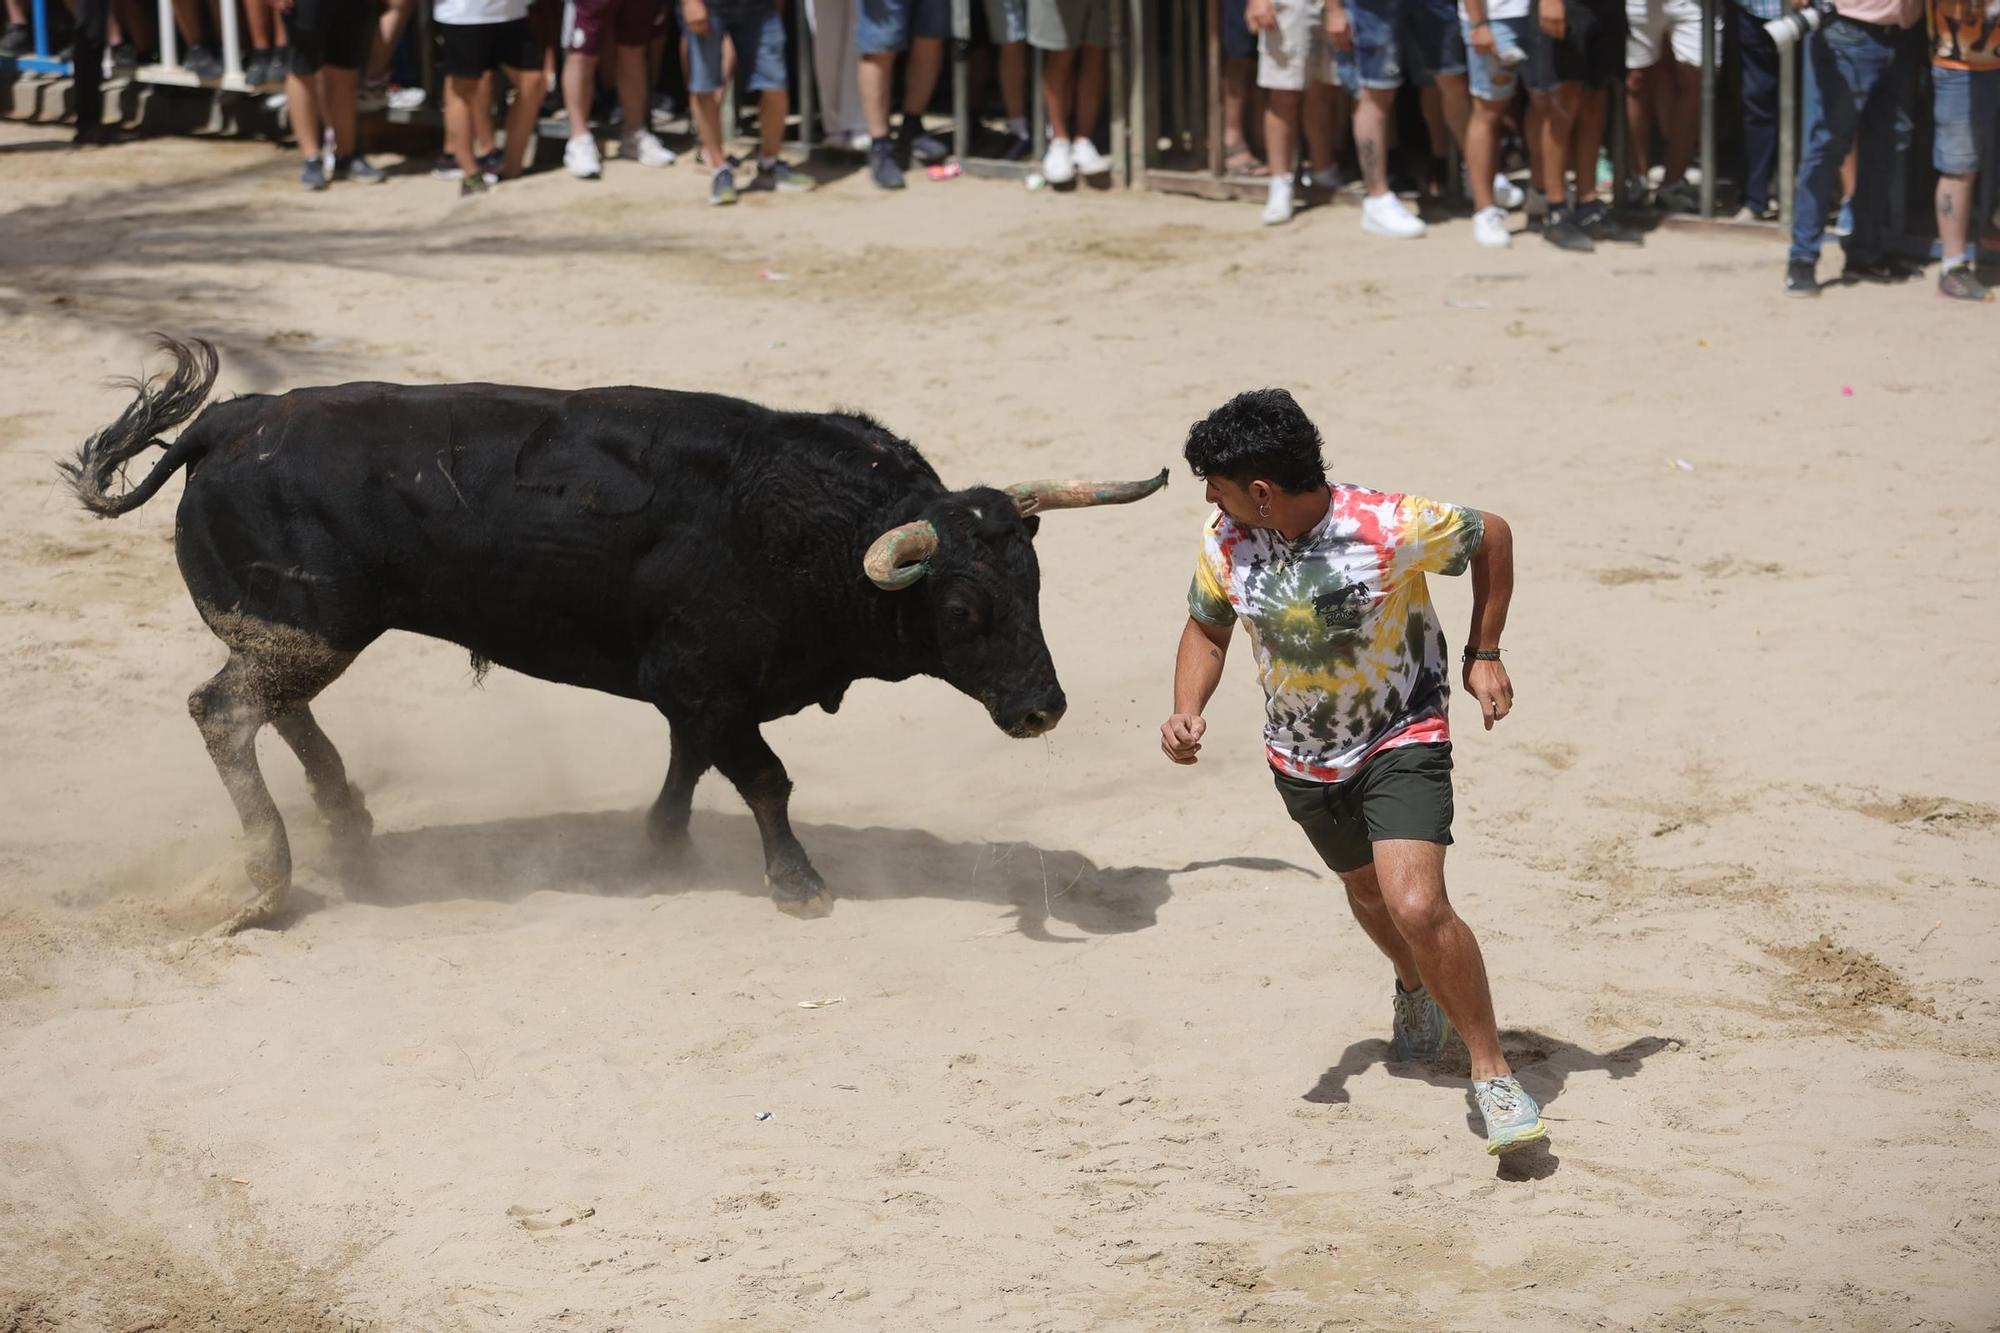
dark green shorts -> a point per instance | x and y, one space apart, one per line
1400 793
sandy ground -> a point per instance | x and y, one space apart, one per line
1110 1051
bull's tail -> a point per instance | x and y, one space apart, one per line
160 405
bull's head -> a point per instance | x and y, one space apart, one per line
973 558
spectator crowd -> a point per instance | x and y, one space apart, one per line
1378 97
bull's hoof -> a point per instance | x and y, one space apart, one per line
805 908
800 893
260 911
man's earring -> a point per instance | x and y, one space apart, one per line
1263 511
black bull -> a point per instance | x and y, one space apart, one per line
726 563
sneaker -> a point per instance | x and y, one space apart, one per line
780 175
1597 223
1018 147
1560 230
1385 215
1326 181
1961 284
1058 166
126 56
446 168
359 170
1278 207
1680 197
372 95
1843 221
580 155
722 186
1512 1118
1767 212
406 99
202 63
882 168
1088 161
478 183
1419 1028
312 174
1489 228
18 40
921 144
1801 279
645 148
1506 194
491 161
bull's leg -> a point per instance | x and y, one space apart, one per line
339 801
667 821
760 778
229 709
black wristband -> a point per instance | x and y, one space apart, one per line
1482 654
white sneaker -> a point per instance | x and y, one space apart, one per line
1385 215
1058 166
580 155
1506 194
1278 207
643 147
1489 228
406 99
1088 160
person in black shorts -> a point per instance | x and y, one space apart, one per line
480 36
329 44
1576 54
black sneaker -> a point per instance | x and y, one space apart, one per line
446 168
1018 148
17 40
1962 284
358 169
125 56
490 163
202 63
1596 222
1560 230
1801 279
1889 268
882 168
313 174
917 142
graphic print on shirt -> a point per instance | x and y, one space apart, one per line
1348 647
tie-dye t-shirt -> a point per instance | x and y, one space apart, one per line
1348 646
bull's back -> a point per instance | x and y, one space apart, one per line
517 522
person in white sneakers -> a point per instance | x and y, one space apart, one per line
1295 68
478 37
1496 38
629 26
1073 36
1367 54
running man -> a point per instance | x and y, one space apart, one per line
1330 580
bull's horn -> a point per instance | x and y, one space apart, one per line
1034 497
896 560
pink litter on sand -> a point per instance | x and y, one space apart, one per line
1847 391
943 171
772 275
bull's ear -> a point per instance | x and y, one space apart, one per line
1034 525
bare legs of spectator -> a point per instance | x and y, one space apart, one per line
1281 129
257 19
1585 140
1554 114
1955 206
878 73
1083 70
1372 112
920 78
530 87
468 120
1321 121
395 17
1482 149
320 101
1238 78
579 80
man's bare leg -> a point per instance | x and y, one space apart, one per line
1410 875
1364 899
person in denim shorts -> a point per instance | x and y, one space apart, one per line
757 31
1374 42
1965 83
1007 28
886 28
1496 40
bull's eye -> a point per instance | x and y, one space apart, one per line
961 615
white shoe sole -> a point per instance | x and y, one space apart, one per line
1374 228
